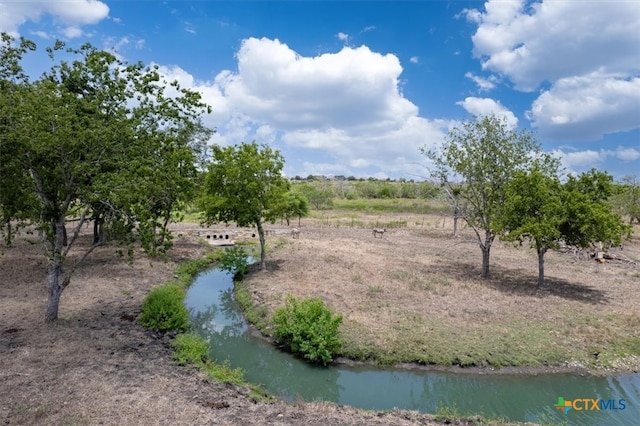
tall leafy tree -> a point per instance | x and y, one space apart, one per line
95 138
244 184
589 216
534 212
477 161
544 212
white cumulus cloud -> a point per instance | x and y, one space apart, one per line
587 107
484 84
69 15
550 40
345 106
585 55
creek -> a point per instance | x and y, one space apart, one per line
516 397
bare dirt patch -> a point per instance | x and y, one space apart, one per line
97 365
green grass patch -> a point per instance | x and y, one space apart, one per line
189 349
429 341
256 315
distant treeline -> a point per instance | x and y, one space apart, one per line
321 191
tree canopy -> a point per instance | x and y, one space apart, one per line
541 210
93 139
244 184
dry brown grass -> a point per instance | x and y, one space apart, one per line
416 295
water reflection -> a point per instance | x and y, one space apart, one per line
217 318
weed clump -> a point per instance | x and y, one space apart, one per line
308 328
189 349
164 310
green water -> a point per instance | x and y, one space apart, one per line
513 397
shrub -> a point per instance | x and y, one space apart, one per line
308 328
189 349
164 310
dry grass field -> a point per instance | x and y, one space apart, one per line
416 295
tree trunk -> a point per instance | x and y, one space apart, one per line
263 257
541 253
456 215
98 233
9 236
55 290
54 270
486 252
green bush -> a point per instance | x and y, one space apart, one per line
189 349
164 310
308 328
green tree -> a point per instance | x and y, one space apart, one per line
294 204
319 195
534 212
541 210
244 184
483 154
95 137
589 216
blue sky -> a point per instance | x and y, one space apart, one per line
355 88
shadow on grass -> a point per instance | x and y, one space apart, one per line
521 282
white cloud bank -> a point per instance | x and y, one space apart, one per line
585 52
581 160
345 107
68 15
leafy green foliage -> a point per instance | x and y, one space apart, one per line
539 209
534 210
589 216
244 184
293 204
163 309
236 261
319 194
308 328
189 349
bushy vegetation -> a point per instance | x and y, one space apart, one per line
189 349
164 310
308 328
